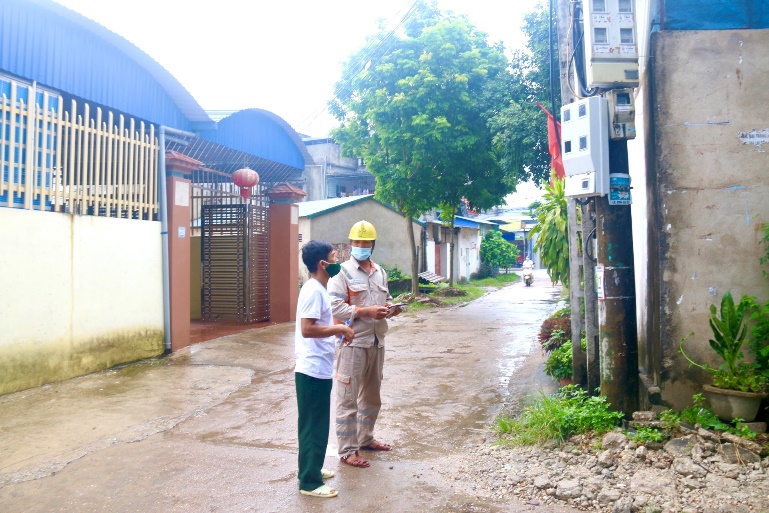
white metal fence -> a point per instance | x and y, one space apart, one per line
76 162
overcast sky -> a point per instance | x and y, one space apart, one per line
282 56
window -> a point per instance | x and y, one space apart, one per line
600 35
582 110
566 115
625 6
626 36
599 5
567 146
583 143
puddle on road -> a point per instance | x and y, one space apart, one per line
506 369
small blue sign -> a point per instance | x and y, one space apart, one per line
182 232
619 189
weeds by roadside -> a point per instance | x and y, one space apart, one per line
568 412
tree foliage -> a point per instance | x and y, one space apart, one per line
419 107
521 127
553 230
496 251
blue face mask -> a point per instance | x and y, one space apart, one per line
361 254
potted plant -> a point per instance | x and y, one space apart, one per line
559 364
738 386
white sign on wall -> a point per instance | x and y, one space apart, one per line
182 194
599 288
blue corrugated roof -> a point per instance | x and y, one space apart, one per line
45 42
263 134
464 222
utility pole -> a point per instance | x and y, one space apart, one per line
610 316
617 308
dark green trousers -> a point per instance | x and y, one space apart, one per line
313 398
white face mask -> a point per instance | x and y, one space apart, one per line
360 254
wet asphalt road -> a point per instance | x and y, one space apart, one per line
212 428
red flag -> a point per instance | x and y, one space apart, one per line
553 145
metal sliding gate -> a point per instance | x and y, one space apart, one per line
234 258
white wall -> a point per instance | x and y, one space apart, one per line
80 294
430 254
468 239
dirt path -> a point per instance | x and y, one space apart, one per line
212 428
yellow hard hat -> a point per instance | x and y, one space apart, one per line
362 230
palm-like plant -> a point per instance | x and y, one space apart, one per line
553 229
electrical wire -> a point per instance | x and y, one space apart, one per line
552 80
577 55
362 63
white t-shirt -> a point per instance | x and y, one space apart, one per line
314 356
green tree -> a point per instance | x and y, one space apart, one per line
496 251
553 229
418 107
521 127
534 206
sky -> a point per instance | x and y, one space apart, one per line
281 56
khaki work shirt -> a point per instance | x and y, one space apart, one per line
353 287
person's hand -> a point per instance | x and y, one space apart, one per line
375 312
347 333
392 312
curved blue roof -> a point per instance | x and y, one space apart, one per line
45 42
261 133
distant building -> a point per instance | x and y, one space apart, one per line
332 175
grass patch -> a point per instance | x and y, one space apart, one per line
472 290
499 280
645 435
570 411
476 288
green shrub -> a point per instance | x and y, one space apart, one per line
555 323
559 364
486 270
669 419
568 412
646 434
395 273
697 413
556 340
496 252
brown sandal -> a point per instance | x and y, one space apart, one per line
377 446
355 460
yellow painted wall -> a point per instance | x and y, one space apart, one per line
79 294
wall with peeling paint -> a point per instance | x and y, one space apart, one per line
705 114
80 294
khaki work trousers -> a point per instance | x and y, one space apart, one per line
358 382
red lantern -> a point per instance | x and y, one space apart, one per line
245 179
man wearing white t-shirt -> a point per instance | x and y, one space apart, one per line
314 342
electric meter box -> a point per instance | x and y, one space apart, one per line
621 113
611 44
585 146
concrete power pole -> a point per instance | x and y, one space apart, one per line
617 309
612 352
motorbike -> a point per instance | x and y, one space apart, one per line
528 276
528 273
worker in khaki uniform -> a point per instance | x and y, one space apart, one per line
360 293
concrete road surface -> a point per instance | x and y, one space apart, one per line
213 427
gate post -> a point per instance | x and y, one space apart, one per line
284 251
179 168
